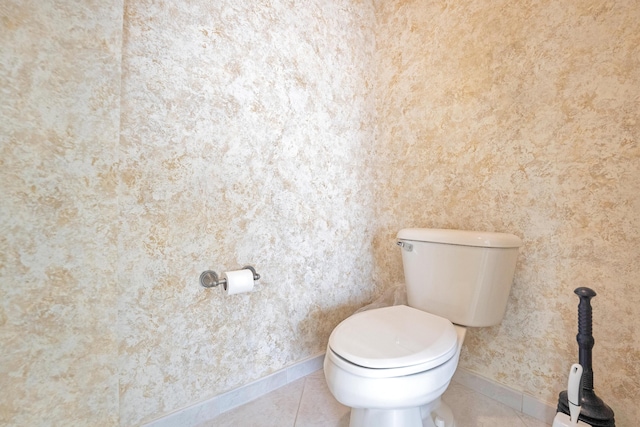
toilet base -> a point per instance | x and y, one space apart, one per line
434 414
437 414
406 417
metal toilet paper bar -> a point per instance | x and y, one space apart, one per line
210 279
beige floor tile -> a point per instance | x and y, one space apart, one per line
472 409
532 422
318 408
276 409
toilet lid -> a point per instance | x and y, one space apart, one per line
394 337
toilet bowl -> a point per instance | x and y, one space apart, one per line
391 365
396 375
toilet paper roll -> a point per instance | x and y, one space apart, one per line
238 281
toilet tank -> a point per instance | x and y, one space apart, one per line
464 276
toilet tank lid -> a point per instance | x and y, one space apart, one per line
485 239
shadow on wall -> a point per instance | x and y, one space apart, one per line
387 259
309 326
395 295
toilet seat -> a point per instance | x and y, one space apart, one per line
393 341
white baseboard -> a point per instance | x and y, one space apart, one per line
514 399
210 408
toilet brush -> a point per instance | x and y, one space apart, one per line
574 394
593 410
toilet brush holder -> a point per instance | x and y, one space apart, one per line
563 420
574 394
594 411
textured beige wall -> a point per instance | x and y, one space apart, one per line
524 117
246 136
299 138
59 120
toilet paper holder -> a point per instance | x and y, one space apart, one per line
210 279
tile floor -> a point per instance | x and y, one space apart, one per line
307 402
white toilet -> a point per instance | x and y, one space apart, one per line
391 365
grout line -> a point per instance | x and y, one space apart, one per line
304 387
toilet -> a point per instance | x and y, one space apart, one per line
391 365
